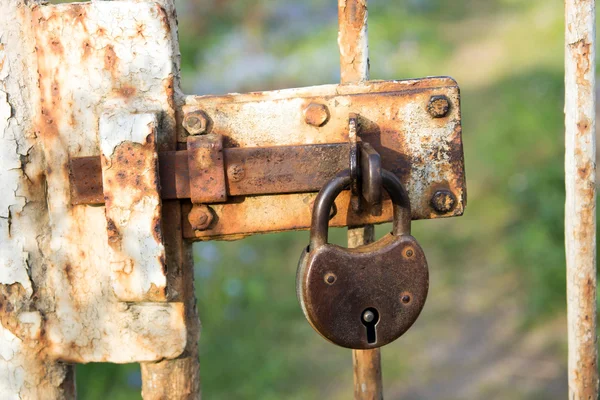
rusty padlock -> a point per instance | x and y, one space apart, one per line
365 297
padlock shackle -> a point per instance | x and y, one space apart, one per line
329 192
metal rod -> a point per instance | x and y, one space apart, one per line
354 67
580 207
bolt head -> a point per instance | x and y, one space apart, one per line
316 114
196 122
443 201
200 217
438 106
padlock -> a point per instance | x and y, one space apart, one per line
364 297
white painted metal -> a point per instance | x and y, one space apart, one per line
580 207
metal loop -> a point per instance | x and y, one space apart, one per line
329 192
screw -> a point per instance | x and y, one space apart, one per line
330 278
316 114
196 122
368 316
200 217
438 106
236 172
443 201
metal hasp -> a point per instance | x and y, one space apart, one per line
258 159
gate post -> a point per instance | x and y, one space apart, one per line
353 42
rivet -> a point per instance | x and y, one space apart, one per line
438 106
330 278
443 201
316 114
236 172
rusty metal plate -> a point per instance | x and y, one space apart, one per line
419 139
206 169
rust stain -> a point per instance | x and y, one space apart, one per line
87 50
164 19
114 235
77 13
155 293
13 300
581 50
169 90
110 59
127 92
139 29
56 46
156 229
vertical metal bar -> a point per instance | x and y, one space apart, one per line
354 67
580 207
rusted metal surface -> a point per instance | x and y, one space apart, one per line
353 40
580 206
388 279
92 57
196 123
316 114
354 161
367 374
438 106
249 171
133 205
206 169
200 217
371 183
426 152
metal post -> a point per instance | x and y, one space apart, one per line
354 63
580 207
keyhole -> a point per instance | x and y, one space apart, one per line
369 318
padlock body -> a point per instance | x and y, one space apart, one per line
335 286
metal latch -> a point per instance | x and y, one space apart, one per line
258 159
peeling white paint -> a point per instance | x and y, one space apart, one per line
93 57
133 206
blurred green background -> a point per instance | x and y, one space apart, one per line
494 325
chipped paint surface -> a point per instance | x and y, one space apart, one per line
393 116
580 205
353 40
133 206
26 370
93 57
